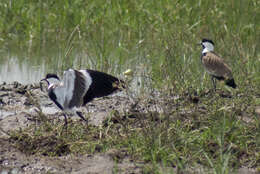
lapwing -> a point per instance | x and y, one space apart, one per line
78 87
215 65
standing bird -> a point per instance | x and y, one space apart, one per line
79 87
215 65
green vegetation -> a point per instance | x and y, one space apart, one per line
157 39
217 134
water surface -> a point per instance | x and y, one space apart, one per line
12 70
31 66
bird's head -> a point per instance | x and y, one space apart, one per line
51 79
207 45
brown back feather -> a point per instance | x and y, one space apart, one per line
216 66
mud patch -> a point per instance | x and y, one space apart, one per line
19 109
12 160
118 134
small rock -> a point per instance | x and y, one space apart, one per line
117 154
97 118
2 88
16 84
247 171
257 110
20 91
2 102
27 102
3 94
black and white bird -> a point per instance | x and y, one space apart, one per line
79 87
215 65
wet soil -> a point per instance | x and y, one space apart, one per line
18 106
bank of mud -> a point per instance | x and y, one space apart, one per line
19 108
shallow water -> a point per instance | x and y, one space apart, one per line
27 67
12 70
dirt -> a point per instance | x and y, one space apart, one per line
13 160
18 106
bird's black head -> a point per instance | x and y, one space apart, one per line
207 45
51 78
49 75
207 40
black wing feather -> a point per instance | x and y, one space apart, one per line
79 90
102 85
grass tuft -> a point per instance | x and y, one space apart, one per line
157 40
212 134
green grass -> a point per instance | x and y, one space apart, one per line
217 134
114 35
158 40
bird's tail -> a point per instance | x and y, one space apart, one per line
231 83
120 84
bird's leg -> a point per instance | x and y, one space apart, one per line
66 121
81 116
214 83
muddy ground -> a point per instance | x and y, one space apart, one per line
18 107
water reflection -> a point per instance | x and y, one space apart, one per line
12 70
27 70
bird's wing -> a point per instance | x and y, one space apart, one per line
216 66
102 84
75 84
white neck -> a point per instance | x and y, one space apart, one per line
205 50
207 47
52 81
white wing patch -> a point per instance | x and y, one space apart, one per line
88 81
68 81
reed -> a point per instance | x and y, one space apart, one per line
157 40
